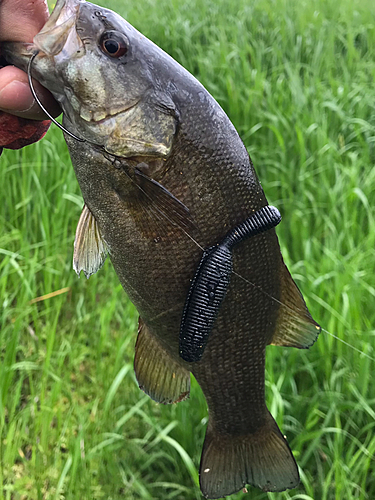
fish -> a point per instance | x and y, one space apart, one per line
165 178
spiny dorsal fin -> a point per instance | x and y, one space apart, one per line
90 251
295 326
158 375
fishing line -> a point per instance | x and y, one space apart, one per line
286 306
293 311
84 140
167 218
41 105
347 343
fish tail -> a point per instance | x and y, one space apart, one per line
262 459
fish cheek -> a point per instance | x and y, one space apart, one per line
143 130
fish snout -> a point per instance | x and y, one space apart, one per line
55 43
59 33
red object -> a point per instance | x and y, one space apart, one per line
15 132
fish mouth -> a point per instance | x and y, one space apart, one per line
99 115
59 40
59 33
58 37
101 118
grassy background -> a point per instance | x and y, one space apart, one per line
297 79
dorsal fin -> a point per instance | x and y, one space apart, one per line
158 375
90 251
295 326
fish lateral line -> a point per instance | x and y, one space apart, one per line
211 281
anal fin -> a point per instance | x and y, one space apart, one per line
295 326
262 459
158 375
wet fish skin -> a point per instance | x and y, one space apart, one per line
159 119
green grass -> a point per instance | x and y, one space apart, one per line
297 80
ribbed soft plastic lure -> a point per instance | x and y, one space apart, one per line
210 284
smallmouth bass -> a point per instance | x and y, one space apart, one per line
164 175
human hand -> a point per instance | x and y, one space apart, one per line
20 21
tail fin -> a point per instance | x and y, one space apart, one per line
263 459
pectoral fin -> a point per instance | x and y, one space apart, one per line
295 326
158 375
90 251
164 201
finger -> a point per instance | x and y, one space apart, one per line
21 20
16 133
16 97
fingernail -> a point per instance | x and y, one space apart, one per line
16 96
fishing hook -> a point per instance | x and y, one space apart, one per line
41 105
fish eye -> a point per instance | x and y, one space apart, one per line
114 44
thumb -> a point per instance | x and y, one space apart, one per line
21 20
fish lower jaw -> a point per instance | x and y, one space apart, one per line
90 116
93 116
99 115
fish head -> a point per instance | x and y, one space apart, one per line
100 69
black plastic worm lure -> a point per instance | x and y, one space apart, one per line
211 281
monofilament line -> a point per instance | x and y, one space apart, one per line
349 345
290 309
41 105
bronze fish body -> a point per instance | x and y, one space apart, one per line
164 176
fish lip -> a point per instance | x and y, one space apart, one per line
17 53
59 30
111 115
63 10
